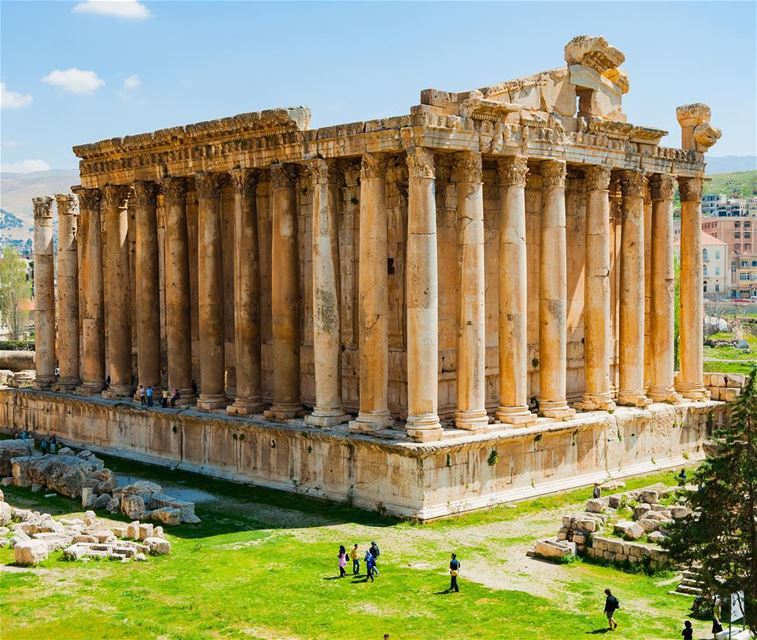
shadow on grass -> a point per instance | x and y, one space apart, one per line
598 631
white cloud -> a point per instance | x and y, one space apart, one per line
125 9
74 80
132 82
25 166
13 99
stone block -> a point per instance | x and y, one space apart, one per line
595 506
587 524
29 552
641 511
102 501
158 546
7 481
717 380
679 512
656 537
6 514
737 380
579 538
84 538
133 506
616 501
145 531
167 516
87 497
649 496
132 530
730 394
102 535
553 549
629 530
561 535
648 525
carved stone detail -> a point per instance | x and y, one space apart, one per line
282 176
690 189
89 199
420 162
468 167
318 170
174 189
373 165
43 207
513 171
208 184
115 196
553 173
244 180
144 193
662 185
66 204
597 178
632 183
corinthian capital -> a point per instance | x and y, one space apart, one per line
115 196
512 171
43 208
174 189
663 186
468 167
318 170
420 162
372 165
244 180
553 174
144 193
89 199
690 189
632 183
66 204
282 176
597 178
208 185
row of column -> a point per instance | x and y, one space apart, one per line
421 293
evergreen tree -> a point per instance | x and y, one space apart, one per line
720 536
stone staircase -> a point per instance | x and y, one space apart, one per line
690 585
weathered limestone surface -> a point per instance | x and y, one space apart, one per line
68 293
44 292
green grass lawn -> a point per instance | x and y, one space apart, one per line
262 564
730 359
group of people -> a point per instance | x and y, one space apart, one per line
370 558
146 397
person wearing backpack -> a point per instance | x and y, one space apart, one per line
454 569
375 552
611 606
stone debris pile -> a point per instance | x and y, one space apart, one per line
10 449
145 500
33 536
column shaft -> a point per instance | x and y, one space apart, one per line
118 316
690 379
178 305
597 311
553 294
471 342
210 292
513 294
285 299
92 305
662 301
248 399
373 299
147 284
631 377
68 293
44 293
422 299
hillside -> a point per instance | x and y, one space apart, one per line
740 183
18 189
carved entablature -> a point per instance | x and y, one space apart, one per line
696 131
626 131
662 185
593 52
66 204
597 178
479 108
468 167
690 189
553 174
89 199
43 208
513 171
420 162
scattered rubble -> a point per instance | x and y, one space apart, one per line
12 449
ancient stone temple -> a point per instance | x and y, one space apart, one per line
423 313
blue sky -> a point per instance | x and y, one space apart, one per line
169 63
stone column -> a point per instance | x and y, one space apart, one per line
210 292
328 410
147 284
662 283
513 294
68 293
422 299
285 299
178 301
44 293
118 317
373 294
248 399
631 375
471 314
92 306
597 313
553 294
690 379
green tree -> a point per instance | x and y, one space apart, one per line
720 535
15 289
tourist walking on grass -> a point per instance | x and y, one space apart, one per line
597 493
370 566
342 561
375 552
611 606
688 631
355 557
454 569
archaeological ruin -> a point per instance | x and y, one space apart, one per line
422 314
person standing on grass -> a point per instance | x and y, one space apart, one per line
355 557
375 552
688 631
682 478
611 606
342 561
716 613
454 570
370 565
597 493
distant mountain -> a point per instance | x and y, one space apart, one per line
18 189
742 184
729 164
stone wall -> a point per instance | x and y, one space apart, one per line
621 552
400 477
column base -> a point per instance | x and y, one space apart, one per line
471 420
424 428
44 382
90 388
664 394
245 407
68 385
518 415
693 392
186 396
212 402
556 409
320 418
371 422
633 399
596 402
119 391
284 411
